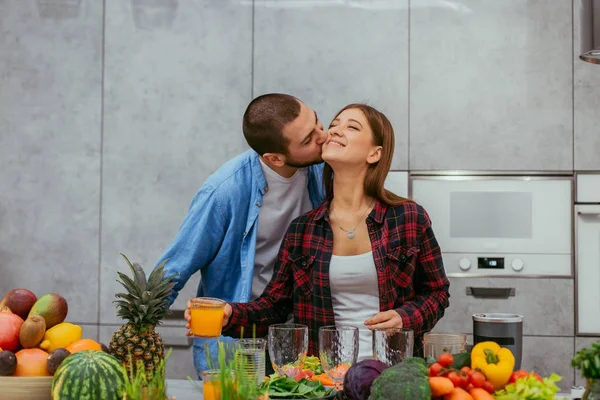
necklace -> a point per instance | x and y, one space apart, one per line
351 234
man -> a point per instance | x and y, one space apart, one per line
237 220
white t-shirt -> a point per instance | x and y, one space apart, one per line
355 295
285 200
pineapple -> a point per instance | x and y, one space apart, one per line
144 306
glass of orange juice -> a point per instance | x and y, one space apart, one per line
211 385
207 316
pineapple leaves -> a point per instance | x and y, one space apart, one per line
129 284
140 276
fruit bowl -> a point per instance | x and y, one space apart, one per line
30 388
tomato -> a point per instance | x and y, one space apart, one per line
446 360
518 375
455 378
435 369
536 376
477 379
488 387
464 380
466 369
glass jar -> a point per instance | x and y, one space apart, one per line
434 344
592 390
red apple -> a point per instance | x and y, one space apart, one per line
10 326
19 301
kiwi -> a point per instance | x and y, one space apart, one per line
8 363
103 347
32 331
56 358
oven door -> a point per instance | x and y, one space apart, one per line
588 269
490 226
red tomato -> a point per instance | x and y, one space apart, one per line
539 378
488 387
518 375
464 380
446 360
455 378
309 374
435 369
477 379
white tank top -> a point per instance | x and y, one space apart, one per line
355 295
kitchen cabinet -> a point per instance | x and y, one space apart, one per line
480 98
299 50
587 241
180 364
586 98
177 81
50 112
533 298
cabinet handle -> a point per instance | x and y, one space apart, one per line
490 293
176 315
178 342
588 213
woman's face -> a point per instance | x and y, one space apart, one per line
350 140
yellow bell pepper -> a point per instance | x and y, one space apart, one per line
60 336
497 363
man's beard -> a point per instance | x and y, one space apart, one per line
299 164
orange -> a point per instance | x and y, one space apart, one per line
31 362
83 344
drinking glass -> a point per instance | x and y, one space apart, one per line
207 316
249 361
393 345
288 345
338 350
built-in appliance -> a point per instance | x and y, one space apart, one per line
504 329
589 32
500 225
587 240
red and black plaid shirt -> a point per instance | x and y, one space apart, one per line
409 266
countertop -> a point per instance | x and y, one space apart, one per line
184 390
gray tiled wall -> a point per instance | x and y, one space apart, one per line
113 112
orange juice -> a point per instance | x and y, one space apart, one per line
207 317
211 389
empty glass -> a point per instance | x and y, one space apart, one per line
250 361
338 350
288 345
393 345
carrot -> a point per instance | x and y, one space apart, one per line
440 386
480 394
324 379
458 394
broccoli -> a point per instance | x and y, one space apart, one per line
405 381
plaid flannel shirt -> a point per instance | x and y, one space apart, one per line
410 274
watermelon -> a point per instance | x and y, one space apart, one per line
89 375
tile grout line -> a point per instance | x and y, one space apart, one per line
408 94
252 54
102 64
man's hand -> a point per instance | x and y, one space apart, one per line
188 317
384 320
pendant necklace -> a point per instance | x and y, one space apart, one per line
351 234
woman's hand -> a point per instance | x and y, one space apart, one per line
188 317
384 320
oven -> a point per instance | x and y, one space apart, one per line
500 225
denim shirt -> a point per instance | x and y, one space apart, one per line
218 235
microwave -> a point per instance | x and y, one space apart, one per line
500 226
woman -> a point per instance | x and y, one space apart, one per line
365 257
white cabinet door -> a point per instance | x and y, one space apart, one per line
588 269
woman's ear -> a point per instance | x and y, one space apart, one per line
374 155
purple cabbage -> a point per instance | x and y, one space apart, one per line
360 376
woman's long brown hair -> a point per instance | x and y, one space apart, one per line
383 135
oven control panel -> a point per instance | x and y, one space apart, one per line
525 265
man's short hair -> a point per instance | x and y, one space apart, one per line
265 119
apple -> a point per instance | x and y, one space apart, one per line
10 326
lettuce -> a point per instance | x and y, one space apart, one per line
530 388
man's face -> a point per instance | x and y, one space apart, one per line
305 137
